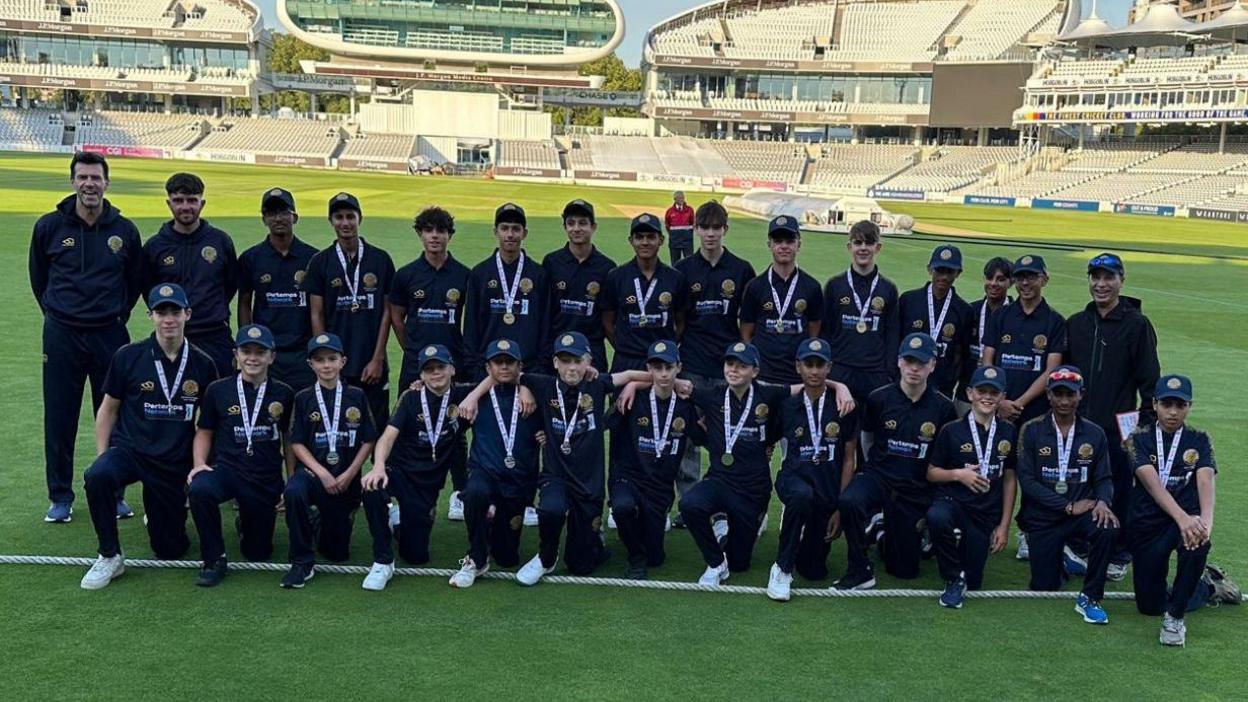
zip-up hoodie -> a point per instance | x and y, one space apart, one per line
203 263
86 276
1117 355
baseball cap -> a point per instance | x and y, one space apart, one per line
572 343
1108 261
743 352
344 200
920 347
814 348
991 376
435 352
1030 263
502 347
665 351
510 212
579 207
167 294
276 196
1178 387
1068 377
946 256
645 222
324 341
257 334
784 227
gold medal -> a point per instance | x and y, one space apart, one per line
726 459
509 318
861 326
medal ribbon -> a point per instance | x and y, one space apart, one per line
660 440
509 436
568 426
249 416
985 457
731 433
434 431
935 323
177 379
352 280
815 422
782 309
862 307
331 427
1064 445
509 292
1166 460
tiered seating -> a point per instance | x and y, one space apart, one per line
1166 66
688 40
286 137
807 106
952 167
1192 192
990 27
764 160
209 15
617 153
379 147
893 31
858 167
1112 157
31 127
783 33
1195 158
684 156
1115 187
1238 201
1034 184
527 154
138 129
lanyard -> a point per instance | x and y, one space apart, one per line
509 435
782 309
568 425
331 426
983 320
985 457
509 291
660 440
169 390
814 422
731 433
435 432
353 280
935 323
249 416
862 306
1064 445
1165 460
643 300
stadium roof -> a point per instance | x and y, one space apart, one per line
1160 25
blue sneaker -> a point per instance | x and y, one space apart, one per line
59 513
954 594
1074 564
1093 612
123 509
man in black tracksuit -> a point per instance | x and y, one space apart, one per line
86 271
1115 346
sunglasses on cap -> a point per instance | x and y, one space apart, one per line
1058 376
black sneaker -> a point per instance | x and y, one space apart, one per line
636 571
212 574
855 581
298 576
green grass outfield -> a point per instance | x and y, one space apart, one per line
152 635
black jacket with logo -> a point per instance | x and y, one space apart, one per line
1117 355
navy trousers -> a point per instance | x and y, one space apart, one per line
745 513
164 501
558 507
1150 551
866 495
967 557
337 513
417 495
640 509
257 512
1046 553
803 527
496 536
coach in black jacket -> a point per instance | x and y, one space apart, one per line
1115 347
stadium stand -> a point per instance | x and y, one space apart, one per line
1116 187
284 137
991 27
894 31
1192 192
527 154
788 33
157 130
858 167
1114 156
952 167
30 129
205 16
379 147
761 160
1196 158
1034 184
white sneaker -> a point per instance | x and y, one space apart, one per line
762 527
467 573
456 511
719 528
378 576
1116 572
533 571
1024 553
667 524
396 517
103 571
530 516
779 585
715 576
611 519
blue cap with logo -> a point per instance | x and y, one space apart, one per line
257 334
663 350
325 341
645 222
920 347
1177 387
814 348
502 347
988 376
1069 377
276 198
167 294
784 227
435 353
1030 263
743 352
572 344
946 256
1111 262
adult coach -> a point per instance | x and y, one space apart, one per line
679 220
270 279
86 272
199 257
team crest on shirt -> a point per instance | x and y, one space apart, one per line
799 305
1004 446
370 280
631 299
927 430
352 414
916 324
315 416
453 411
592 289
1190 457
114 244
234 410
832 429
1040 342
948 330
678 424
665 298
695 288
167 261
966 448
1085 451
768 306
276 409
799 432
728 287
147 386
335 283
190 387
208 253
890 424
561 285
644 421
525 285
299 276
266 278
1046 451
586 402
844 302
762 411
1006 338
491 283
877 304
517 522
419 294
68 242
452 295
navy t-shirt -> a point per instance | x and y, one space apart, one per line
222 414
953 339
1023 342
583 469
355 425
575 295
634 331
1195 452
157 428
413 450
485 314
902 435
834 432
712 307
875 349
750 472
488 452
434 302
274 280
1088 474
777 338
358 329
642 462
955 449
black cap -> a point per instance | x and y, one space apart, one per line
580 208
1111 262
275 196
946 256
344 200
784 227
645 222
1030 264
510 212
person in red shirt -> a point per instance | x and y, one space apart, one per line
679 222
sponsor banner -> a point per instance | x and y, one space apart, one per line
365 164
311 83
750 184
1078 205
709 113
528 172
990 200
603 175
670 179
1238 114
396 73
1155 210
894 194
607 98
794 65
117 85
103 30
289 160
1238 216
219 156
128 151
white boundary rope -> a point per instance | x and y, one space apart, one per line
573 580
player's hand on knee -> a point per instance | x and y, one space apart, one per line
204 468
1104 516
